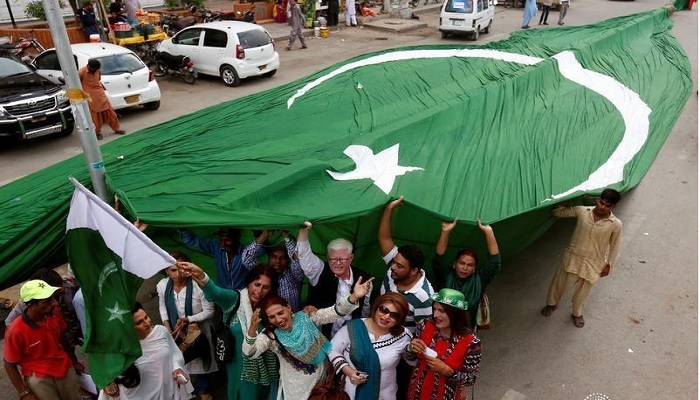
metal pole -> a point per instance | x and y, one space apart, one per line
79 105
12 17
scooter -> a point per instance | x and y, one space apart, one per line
21 48
168 64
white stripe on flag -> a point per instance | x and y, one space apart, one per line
139 254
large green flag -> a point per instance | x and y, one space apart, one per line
110 258
498 132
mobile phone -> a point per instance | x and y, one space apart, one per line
430 352
362 374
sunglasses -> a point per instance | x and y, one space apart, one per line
384 310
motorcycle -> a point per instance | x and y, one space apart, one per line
24 49
173 23
168 64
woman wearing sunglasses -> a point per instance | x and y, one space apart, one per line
367 350
445 351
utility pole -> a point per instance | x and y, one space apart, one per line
78 101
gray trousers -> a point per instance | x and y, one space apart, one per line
562 10
65 388
293 37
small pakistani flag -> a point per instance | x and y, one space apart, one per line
110 258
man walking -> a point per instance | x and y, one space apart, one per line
591 254
297 22
34 345
563 8
101 109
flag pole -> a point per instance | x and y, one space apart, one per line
78 99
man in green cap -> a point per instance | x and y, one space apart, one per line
34 345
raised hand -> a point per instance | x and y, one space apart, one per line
303 234
254 323
361 289
396 203
189 269
484 228
449 226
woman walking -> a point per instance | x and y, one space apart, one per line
368 350
297 341
446 352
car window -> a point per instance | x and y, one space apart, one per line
480 5
189 37
459 6
48 60
120 64
254 38
10 67
215 38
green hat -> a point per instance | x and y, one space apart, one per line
36 290
450 297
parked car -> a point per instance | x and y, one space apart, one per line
233 50
128 81
30 105
467 16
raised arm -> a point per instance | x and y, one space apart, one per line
209 246
441 246
225 298
250 254
491 243
386 239
310 263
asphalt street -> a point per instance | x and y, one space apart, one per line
640 340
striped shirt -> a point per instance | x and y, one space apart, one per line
419 304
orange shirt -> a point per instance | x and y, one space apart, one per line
92 85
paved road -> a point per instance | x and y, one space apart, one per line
640 339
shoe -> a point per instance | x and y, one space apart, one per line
539 23
120 132
578 321
287 48
304 47
99 136
525 27
544 23
547 310
560 23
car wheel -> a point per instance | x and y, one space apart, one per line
154 105
270 74
230 76
475 35
488 28
68 130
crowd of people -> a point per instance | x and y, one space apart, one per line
406 338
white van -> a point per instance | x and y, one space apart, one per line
467 16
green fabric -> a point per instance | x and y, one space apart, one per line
106 287
495 140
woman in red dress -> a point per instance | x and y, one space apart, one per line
445 351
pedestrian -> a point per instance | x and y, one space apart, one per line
88 19
563 9
297 22
101 109
546 6
529 12
131 7
333 10
590 255
350 12
34 345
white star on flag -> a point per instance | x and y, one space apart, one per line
116 312
382 168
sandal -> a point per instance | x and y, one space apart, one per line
578 321
547 310
6 304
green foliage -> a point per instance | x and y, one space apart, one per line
198 3
172 4
35 9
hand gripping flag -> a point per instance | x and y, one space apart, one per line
110 258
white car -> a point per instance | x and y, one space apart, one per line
233 50
129 82
467 16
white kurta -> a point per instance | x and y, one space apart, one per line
160 358
295 384
202 312
389 348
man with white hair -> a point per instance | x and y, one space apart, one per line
333 280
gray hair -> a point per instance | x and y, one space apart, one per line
339 244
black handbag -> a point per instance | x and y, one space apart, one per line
222 338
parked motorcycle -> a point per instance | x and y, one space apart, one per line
168 64
173 23
24 49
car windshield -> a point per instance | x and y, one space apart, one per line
459 6
254 38
9 67
120 64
